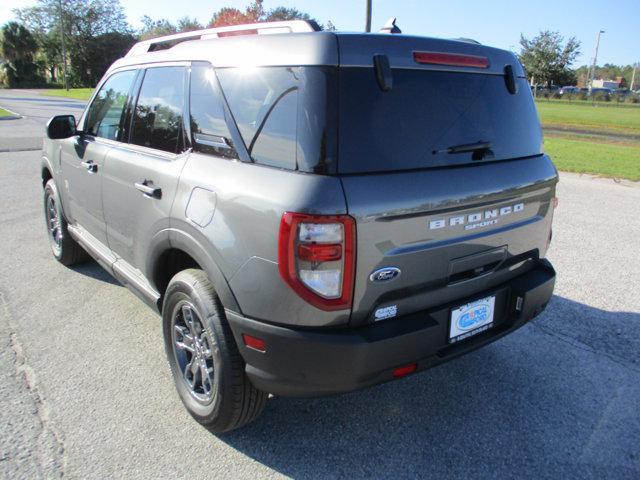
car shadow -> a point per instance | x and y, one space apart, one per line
92 269
529 405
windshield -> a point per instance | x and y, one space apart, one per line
428 115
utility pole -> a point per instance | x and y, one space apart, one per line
633 75
367 27
595 60
64 48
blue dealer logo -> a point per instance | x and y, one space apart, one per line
473 316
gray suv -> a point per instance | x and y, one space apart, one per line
310 212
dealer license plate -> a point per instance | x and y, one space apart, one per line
471 319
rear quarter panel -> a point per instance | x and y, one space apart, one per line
242 234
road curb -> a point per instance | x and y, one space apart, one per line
14 115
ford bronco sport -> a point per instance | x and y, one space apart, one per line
310 212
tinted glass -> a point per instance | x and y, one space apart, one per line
157 120
208 126
264 103
427 112
105 116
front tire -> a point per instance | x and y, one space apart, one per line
64 248
205 362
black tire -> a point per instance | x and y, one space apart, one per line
64 248
230 401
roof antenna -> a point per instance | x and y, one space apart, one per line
390 26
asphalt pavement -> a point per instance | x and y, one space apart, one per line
85 390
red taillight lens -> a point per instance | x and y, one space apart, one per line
317 252
452 59
254 342
405 370
316 258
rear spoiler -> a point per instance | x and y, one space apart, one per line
263 28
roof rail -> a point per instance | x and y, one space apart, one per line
263 28
467 40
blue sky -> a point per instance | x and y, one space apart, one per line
493 22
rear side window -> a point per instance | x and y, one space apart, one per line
264 104
157 117
105 117
208 126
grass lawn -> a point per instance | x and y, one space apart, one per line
597 118
584 156
4 113
77 93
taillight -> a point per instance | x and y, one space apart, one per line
452 59
316 257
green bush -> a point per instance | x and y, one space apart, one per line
575 96
601 97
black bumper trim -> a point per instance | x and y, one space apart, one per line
313 362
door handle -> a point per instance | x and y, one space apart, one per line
90 166
148 190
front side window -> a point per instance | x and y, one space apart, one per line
157 117
208 126
264 104
105 116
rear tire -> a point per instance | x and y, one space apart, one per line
64 248
206 365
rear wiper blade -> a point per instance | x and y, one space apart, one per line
467 147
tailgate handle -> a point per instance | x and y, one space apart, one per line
476 265
510 79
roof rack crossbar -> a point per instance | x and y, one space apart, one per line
291 26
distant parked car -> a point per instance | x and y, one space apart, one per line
601 92
569 89
622 92
544 89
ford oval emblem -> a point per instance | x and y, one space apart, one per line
385 274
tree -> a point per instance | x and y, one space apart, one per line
547 59
155 28
101 51
18 49
84 21
186 24
330 27
283 13
255 13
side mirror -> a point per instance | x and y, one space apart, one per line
61 126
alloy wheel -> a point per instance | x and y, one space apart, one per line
192 350
53 221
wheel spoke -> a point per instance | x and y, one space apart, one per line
187 315
205 374
188 374
206 351
186 343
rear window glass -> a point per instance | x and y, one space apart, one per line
157 119
427 112
264 103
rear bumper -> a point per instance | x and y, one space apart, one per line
313 362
